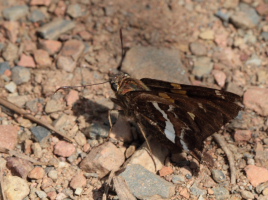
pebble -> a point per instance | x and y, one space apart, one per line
10 52
256 175
41 194
197 191
264 36
53 174
40 2
256 98
242 135
78 181
20 75
37 150
68 64
152 62
202 66
32 105
15 12
230 4
18 100
37 16
166 171
246 194
53 106
261 187
40 133
98 160
262 9
51 46
223 16
221 193
16 188
254 61
97 131
26 61
9 136
64 149
80 139
11 87
72 97
218 176
219 76
19 167
198 49
3 67
137 177
178 179
78 191
37 173
74 10
12 30
207 35
42 58
73 49
54 29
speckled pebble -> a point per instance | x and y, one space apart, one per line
178 179
20 75
218 176
221 193
53 174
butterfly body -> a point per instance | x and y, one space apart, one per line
180 116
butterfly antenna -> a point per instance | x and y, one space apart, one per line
123 52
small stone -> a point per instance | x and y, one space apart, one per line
9 136
12 30
185 193
53 106
19 167
52 195
121 130
256 175
18 100
72 97
220 77
68 64
37 173
198 49
40 2
262 9
55 28
20 75
37 16
197 191
37 150
97 131
218 176
15 12
53 174
202 66
222 15
257 100
26 61
78 191
74 10
3 67
165 171
242 135
207 35
51 46
261 187
80 138
254 61
11 87
41 194
247 195
73 49
230 3
137 177
40 133
15 188
178 179
221 193
99 159
42 58
64 149
78 181
264 36
10 52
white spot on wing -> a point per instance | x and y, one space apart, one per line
184 145
169 128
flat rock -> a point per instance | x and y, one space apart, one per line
151 62
242 135
19 167
257 100
64 149
37 173
15 12
202 66
103 159
78 180
145 184
40 133
26 61
9 136
42 58
15 188
20 75
256 175
10 52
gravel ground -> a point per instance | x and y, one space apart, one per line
47 44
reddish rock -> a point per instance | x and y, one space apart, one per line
67 63
40 2
9 136
51 46
19 167
220 77
46 182
103 159
257 100
121 130
64 149
52 195
72 97
26 61
256 175
73 48
78 180
85 35
242 135
185 193
37 173
42 58
27 146
11 29
165 171
262 9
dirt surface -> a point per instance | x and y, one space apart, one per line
48 44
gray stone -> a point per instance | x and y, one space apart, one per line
53 174
247 195
223 16
20 75
197 191
53 106
41 194
198 49
40 132
10 52
32 105
218 176
11 87
221 193
202 66
15 12
254 61
55 28
178 179
37 16
4 66
265 36
145 184
158 63
74 10
97 131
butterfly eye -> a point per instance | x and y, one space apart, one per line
114 86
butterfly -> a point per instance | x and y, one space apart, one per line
180 116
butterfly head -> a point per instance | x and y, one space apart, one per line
116 80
